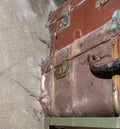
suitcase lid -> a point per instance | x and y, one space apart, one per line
78 22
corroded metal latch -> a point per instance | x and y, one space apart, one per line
91 58
100 3
63 23
64 20
115 20
62 69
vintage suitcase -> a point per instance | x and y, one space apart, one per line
83 78
75 18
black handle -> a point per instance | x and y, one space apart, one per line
105 71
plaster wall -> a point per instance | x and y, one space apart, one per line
22 24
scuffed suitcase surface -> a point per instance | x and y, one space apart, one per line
83 20
80 93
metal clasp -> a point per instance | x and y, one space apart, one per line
63 23
91 58
63 69
115 20
64 20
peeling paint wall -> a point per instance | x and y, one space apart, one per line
22 24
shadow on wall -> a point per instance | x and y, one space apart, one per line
59 2
36 6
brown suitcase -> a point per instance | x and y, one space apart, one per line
82 79
75 18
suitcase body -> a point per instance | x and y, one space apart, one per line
82 78
79 78
76 18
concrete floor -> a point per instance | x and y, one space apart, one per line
22 22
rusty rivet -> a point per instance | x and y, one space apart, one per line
113 42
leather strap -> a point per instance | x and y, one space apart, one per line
53 112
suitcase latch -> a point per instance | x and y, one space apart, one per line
65 19
63 22
63 69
